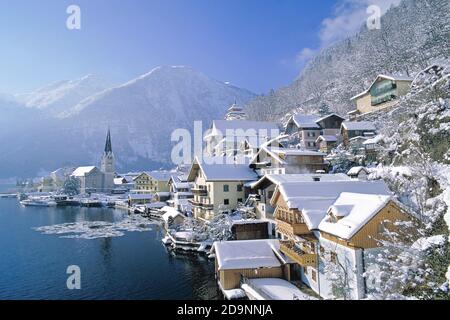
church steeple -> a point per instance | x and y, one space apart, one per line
108 145
235 113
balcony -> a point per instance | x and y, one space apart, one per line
207 206
200 204
199 191
296 254
290 223
195 203
293 229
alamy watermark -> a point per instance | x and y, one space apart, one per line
73 21
215 146
74 280
374 20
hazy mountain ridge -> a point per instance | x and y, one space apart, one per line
141 113
345 69
58 97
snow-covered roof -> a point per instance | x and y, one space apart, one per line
361 125
395 77
278 179
170 213
356 170
81 171
314 199
306 121
329 116
249 221
296 152
359 95
119 180
327 138
144 196
274 289
385 76
155 205
247 254
374 140
220 170
354 210
228 172
163 194
275 153
159 175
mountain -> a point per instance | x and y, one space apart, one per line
58 97
412 35
141 113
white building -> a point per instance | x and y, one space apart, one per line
93 179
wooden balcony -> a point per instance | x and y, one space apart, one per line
296 254
290 222
195 203
199 191
291 229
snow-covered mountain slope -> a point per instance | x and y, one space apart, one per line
144 112
63 95
411 36
141 113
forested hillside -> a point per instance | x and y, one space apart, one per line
412 35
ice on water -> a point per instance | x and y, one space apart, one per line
98 229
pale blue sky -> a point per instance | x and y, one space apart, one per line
251 43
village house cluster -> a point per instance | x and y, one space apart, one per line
309 226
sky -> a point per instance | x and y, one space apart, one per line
255 44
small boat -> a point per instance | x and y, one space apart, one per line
38 203
91 203
3 195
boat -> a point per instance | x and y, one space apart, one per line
38 203
91 203
3 195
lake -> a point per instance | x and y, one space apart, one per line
119 257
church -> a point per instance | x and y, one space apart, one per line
92 179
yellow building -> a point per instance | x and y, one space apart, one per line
152 182
218 186
382 94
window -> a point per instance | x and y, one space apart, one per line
381 228
239 188
322 251
226 202
333 257
226 188
314 275
240 200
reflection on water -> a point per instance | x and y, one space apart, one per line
135 265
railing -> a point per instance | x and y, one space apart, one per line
195 203
295 253
199 191
263 293
289 228
289 222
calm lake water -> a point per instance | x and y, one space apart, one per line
133 266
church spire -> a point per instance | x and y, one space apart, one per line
108 146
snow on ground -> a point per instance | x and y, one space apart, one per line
275 289
98 229
424 244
